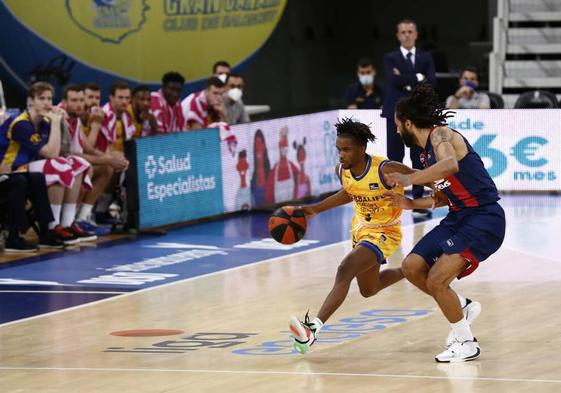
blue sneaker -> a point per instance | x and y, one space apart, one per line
89 226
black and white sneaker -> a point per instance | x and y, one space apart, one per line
50 240
471 311
18 245
460 351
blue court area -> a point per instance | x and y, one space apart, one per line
57 281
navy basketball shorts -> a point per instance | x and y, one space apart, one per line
474 233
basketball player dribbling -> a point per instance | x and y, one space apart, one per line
471 232
375 231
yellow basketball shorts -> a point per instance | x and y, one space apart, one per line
384 241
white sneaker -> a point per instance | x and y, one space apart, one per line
471 311
460 352
304 334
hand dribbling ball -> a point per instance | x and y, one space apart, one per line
287 225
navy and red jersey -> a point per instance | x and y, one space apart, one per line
471 186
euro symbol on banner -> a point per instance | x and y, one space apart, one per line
525 150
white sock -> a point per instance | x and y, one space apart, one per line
463 301
85 211
68 214
462 330
318 324
56 214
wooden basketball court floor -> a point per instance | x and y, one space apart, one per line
231 325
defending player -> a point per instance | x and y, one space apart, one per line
474 227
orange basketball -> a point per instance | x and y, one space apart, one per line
287 225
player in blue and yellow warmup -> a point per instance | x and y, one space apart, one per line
375 229
474 227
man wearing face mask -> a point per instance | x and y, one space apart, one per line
364 93
233 104
221 69
467 97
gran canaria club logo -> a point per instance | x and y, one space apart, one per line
109 20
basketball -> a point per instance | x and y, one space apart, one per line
287 225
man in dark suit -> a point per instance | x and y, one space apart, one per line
404 69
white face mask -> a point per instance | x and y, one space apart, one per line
235 93
223 77
366 80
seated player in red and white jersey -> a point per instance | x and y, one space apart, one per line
104 164
165 104
92 111
139 110
203 108
117 126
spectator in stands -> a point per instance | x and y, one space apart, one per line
467 97
19 187
404 68
233 104
166 105
32 142
364 93
144 120
221 69
206 106
104 164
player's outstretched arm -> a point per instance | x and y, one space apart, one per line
398 167
398 200
339 198
394 166
446 165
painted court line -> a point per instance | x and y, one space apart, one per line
286 373
80 292
193 278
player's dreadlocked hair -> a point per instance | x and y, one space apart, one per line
423 108
360 132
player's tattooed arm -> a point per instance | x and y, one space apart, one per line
448 144
441 135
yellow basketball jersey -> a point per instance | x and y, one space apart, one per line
367 191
